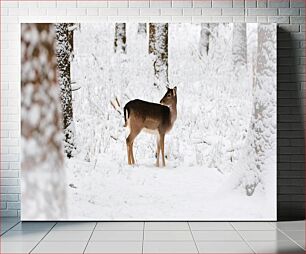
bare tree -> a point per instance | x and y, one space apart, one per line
158 47
120 38
43 177
63 53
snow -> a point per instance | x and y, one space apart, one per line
144 192
207 164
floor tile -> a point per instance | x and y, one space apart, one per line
223 247
9 220
120 226
276 247
7 225
301 243
274 235
17 247
63 226
169 247
33 226
60 247
291 225
69 236
295 234
114 247
166 226
211 226
5 229
22 236
168 236
253 226
123 236
221 236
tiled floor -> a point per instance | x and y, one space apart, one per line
152 237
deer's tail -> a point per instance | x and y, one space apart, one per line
126 115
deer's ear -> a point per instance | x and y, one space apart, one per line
174 91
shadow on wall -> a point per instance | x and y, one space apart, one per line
290 129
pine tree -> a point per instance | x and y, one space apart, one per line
43 185
63 53
158 48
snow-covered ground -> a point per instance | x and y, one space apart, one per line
144 192
206 149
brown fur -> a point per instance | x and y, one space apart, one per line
158 118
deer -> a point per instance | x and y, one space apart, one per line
151 117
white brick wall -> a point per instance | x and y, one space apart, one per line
288 13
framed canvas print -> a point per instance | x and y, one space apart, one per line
148 121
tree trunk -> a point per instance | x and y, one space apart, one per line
263 127
239 48
63 52
43 177
204 39
120 38
142 28
265 90
70 39
158 48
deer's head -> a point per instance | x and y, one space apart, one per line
169 98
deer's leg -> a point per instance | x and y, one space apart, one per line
158 150
162 146
128 151
129 142
132 153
